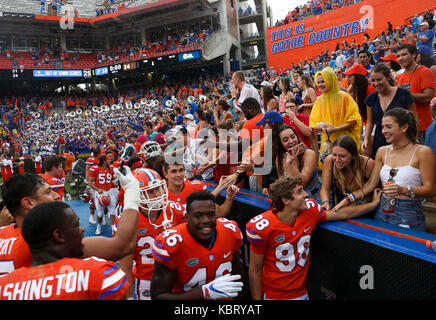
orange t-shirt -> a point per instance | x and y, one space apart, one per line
69 160
251 131
370 90
416 82
344 83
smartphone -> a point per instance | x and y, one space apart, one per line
296 150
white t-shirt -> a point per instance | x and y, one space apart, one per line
189 157
248 91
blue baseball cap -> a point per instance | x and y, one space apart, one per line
425 50
270 117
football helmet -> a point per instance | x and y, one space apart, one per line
154 193
104 199
149 180
150 149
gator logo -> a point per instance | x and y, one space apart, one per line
146 293
280 238
142 231
192 262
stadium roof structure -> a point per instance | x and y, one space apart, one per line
86 9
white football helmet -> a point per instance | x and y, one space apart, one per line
150 149
154 193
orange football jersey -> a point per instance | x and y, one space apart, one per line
66 279
92 161
146 235
14 251
102 178
196 265
286 250
188 188
57 185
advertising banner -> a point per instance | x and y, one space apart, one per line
309 37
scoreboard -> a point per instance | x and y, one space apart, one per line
145 64
129 66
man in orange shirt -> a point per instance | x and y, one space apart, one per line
100 180
24 192
54 236
69 160
250 135
419 80
21 193
54 167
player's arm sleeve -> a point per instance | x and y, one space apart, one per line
257 242
242 97
163 253
110 282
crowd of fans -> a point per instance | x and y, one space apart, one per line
366 84
159 41
57 7
330 143
313 8
385 43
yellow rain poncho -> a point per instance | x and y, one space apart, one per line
336 108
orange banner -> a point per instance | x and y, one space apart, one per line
309 37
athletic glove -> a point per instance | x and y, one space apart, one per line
222 287
131 188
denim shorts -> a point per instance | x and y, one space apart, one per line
408 214
314 191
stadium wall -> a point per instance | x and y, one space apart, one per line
307 38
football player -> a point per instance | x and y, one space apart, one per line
53 167
38 163
156 214
280 240
195 260
23 192
91 166
54 236
101 181
179 188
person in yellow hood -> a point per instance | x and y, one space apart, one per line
335 113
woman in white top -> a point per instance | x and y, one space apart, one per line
415 175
